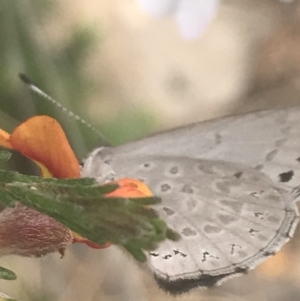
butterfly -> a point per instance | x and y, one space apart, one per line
229 187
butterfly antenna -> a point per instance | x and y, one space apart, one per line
25 79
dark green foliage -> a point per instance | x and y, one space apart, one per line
81 205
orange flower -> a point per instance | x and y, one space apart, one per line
42 140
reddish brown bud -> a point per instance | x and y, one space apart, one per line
26 232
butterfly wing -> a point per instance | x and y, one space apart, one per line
225 187
266 140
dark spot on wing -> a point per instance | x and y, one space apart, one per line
226 219
253 231
238 174
177 252
168 211
218 138
209 229
187 189
270 156
232 205
234 248
259 167
189 232
298 159
174 170
259 215
286 176
280 142
165 187
204 256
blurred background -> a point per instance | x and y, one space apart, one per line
130 74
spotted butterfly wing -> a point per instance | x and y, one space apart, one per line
228 186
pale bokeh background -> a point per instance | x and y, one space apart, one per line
145 76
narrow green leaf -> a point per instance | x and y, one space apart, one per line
7 274
4 155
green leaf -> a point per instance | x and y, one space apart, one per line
4 155
81 205
7 274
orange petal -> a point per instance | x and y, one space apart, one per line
80 239
130 188
42 140
4 139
